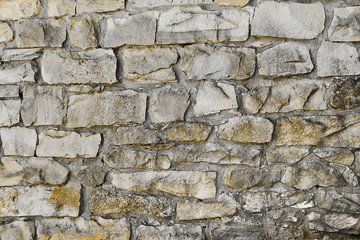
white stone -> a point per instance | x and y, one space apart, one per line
135 4
89 6
344 26
18 141
82 33
9 112
194 211
9 91
16 73
241 32
20 54
11 172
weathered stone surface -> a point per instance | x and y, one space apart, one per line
9 91
348 136
84 89
285 59
343 201
179 183
333 222
284 155
20 54
347 174
134 4
40 33
9 112
16 73
286 96
288 20
43 105
40 201
95 228
108 202
337 59
342 156
135 135
176 232
206 62
298 131
11 172
17 230
92 176
311 172
17 9
193 210
150 65
18 141
214 97
59 8
168 104
187 25
131 30
242 179
82 33
236 3
67 144
88 6
344 25
94 66
344 93
246 129
6 34
123 158
106 108
187 132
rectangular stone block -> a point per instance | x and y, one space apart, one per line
9 112
134 136
343 26
40 201
9 91
179 183
94 66
17 9
59 8
82 33
68 144
6 34
15 54
89 6
106 108
16 73
194 211
175 231
135 4
18 141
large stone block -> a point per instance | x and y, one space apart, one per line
89 6
18 141
106 108
17 230
344 25
17 9
194 211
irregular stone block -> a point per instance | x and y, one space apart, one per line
288 20
349 136
175 231
286 155
15 10
43 105
187 132
106 108
9 91
150 65
18 141
344 26
285 59
67 144
137 29
135 135
109 202
179 183
206 62
334 222
168 104
40 33
95 228
82 33
344 93
336 200
59 8
309 173
246 129
242 179
341 156
236 3
16 73
214 97
44 201
10 55
240 32
6 34
92 176
11 172
16 230
337 59
94 66
194 211
123 158
134 4
89 6
9 112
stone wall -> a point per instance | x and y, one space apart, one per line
179 119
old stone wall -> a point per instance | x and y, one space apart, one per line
179 119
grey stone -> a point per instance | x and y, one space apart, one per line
336 200
333 222
14 10
18 141
89 6
336 155
20 54
134 4
187 132
16 73
9 112
135 135
284 155
9 91
175 231
344 25
82 33
17 230
92 176
194 211
344 93
11 172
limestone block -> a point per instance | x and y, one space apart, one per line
194 211
82 33
187 132
11 172
15 10
92 176
134 4
9 112
18 141
135 135
236 3
59 8
16 73
335 155
284 155
163 232
336 200
89 6
20 54
333 222
344 25
6 34
17 230
9 91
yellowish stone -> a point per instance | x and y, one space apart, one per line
193 210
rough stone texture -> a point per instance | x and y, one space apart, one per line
88 6
284 155
107 108
44 201
285 59
150 65
134 4
95 66
176 231
17 230
9 112
18 141
92 176
246 129
242 179
20 54
9 91
194 210
205 62
344 93
236 3
333 223
67 144
135 135
59 8
341 156
17 9
40 33
288 20
345 137
337 59
189 132
343 201
16 73
131 30
82 33
6 34
179 183
214 97
168 104
11 172
344 25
